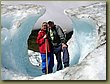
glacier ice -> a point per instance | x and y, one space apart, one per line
17 23
89 25
84 39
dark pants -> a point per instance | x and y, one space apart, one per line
57 51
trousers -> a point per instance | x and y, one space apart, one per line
57 51
50 62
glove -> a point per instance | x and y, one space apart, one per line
45 36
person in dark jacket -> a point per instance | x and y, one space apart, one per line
58 40
41 38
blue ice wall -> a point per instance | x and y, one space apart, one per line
14 42
85 38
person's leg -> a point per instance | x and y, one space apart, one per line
51 61
65 57
59 61
43 56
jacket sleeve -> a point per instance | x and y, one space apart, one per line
40 40
61 34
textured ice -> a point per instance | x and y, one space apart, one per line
89 30
17 23
84 39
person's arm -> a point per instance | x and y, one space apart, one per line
61 34
40 39
62 37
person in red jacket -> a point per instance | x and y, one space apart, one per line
45 46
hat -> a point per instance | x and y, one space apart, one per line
50 22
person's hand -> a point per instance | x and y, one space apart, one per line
45 36
64 45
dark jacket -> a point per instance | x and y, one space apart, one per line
59 36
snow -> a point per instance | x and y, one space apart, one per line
11 75
87 46
35 58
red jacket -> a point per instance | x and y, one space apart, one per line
41 41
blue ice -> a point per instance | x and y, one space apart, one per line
14 42
85 38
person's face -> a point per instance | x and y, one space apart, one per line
50 25
44 26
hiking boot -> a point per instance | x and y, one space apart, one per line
66 65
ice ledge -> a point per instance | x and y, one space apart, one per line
22 8
87 11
